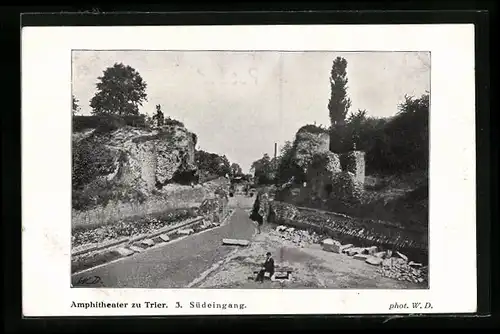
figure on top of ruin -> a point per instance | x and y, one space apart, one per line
159 117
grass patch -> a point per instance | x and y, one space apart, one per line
168 136
97 233
107 123
101 192
158 240
93 260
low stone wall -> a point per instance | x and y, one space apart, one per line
360 232
215 209
354 162
180 197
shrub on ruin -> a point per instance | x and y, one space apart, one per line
91 160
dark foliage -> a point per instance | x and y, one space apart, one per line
402 145
173 122
75 104
91 159
339 102
120 91
107 123
395 145
211 164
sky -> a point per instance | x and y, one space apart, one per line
241 103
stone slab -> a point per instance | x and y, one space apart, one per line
362 257
124 251
235 242
148 242
136 249
187 231
376 261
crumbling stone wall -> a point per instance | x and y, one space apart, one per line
149 159
361 232
354 162
306 145
334 180
261 211
328 180
215 209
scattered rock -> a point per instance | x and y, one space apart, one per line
380 255
343 248
387 263
404 257
353 251
331 245
206 223
414 264
165 237
370 250
124 251
363 257
136 249
298 237
235 242
398 261
129 229
398 268
186 231
376 261
148 242
281 275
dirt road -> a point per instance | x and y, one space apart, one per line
175 264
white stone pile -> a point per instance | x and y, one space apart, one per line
402 270
297 237
393 265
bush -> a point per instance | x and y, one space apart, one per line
173 122
101 192
91 160
394 145
211 164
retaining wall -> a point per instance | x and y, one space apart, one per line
359 232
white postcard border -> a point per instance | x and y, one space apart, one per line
46 172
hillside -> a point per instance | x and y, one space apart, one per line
129 163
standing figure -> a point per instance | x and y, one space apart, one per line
159 117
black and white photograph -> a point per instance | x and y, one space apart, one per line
250 169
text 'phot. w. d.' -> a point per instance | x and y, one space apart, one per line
250 170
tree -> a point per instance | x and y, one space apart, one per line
224 165
264 173
339 102
402 144
75 104
285 168
212 164
120 91
355 123
236 169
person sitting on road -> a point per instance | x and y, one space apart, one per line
267 266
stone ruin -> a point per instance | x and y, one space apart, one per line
335 177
